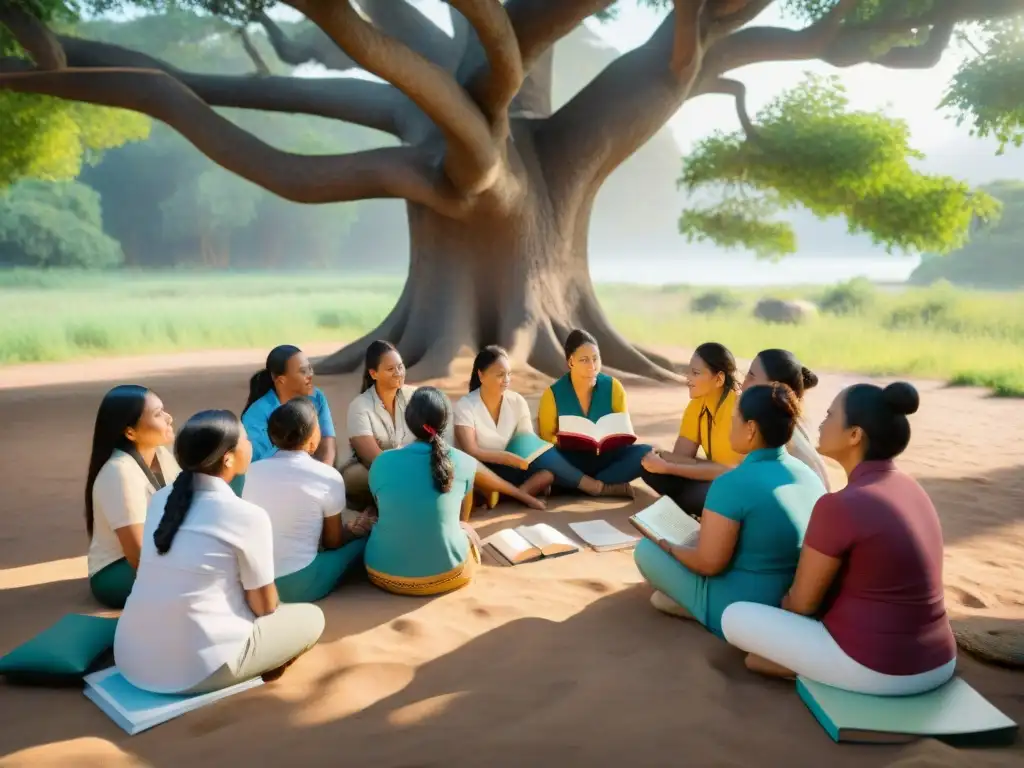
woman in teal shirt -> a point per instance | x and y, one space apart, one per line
753 524
422 543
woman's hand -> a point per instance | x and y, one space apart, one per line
653 463
511 460
665 546
534 503
363 523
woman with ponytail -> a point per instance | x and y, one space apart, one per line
287 374
129 462
422 543
779 365
753 522
314 546
681 474
866 611
204 612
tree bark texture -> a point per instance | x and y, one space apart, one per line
499 189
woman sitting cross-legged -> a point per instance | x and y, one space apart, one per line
706 424
204 613
752 525
304 499
491 415
866 611
781 366
422 543
586 392
376 419
129 462
288 374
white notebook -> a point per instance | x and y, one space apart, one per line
602 536
664 519
135 710
530 542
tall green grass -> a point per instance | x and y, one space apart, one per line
965 337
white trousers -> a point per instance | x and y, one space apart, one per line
806 647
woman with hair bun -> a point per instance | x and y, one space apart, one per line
314 547
866 611
204 612
286 375
422 543
753 522
782 366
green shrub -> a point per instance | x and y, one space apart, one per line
718 300
852 297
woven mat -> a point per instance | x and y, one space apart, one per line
996 641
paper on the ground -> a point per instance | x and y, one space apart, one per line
665 520
600 534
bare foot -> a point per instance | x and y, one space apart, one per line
590 486
666 604
538 484
276 674
618 490
768 668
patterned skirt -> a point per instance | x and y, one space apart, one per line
424 586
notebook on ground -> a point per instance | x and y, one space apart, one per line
953 712
135 710
665 520
530 542
527 445
602 536
576 433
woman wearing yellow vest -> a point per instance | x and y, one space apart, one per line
585 391
680 474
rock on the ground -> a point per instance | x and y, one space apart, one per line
793 311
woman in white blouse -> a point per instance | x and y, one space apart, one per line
304 499
779 365
128 464
491 415
204 613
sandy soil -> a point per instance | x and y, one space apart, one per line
550 662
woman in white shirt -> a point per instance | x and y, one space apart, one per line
779 365
304 499
376 419
204 613
491 415
128 464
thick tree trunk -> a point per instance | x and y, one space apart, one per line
513 273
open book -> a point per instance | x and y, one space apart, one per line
602 536
530 542
135 710
665 520
526 445
576 433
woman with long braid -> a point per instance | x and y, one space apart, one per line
204 612
422 543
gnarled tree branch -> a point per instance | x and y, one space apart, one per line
686 40
392 172
539 24
728 87
493 87
405 23
618 111
314 48
374 105
471 159
854 49
33 35
251 52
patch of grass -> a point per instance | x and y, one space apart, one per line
965 337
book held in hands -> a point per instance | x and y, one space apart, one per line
530 542
527 446
664 519
576 433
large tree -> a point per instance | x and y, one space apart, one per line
499 187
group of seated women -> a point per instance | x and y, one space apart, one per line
217 551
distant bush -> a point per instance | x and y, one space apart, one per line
852 297
934 308
718 300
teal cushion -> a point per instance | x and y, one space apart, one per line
65 652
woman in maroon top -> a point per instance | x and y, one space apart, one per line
866 611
